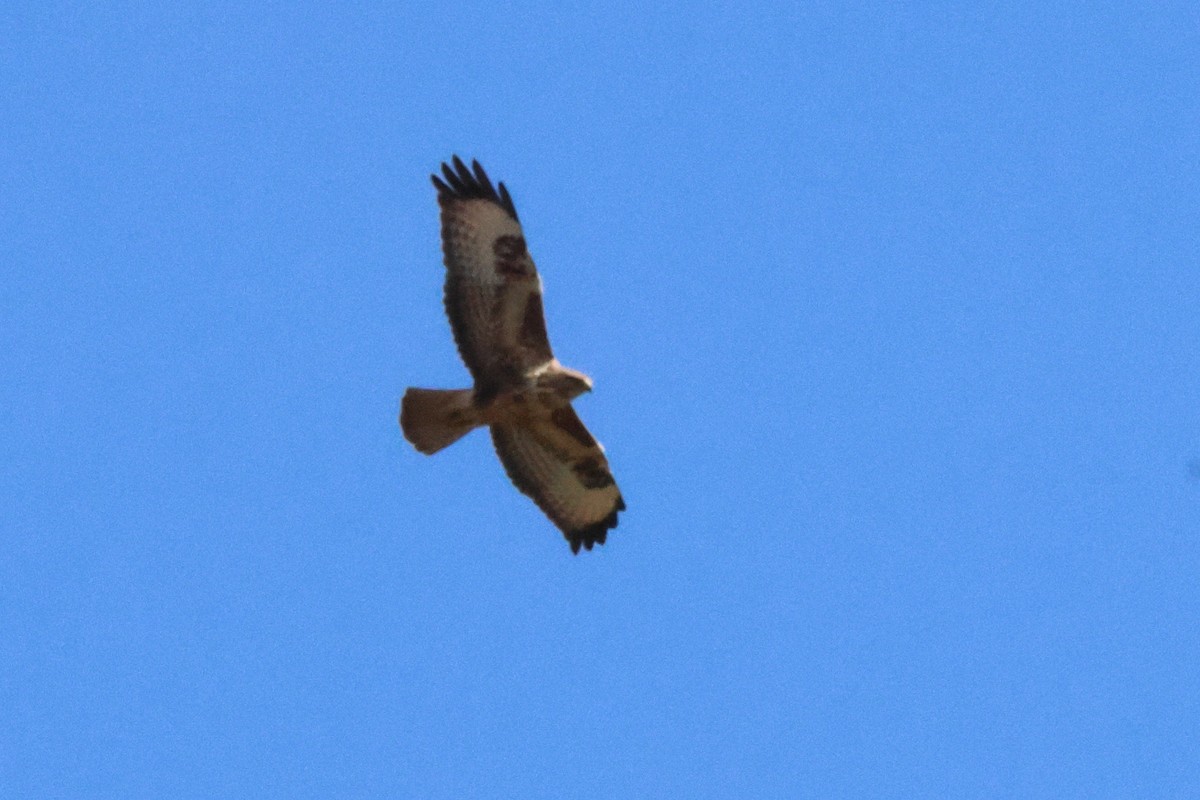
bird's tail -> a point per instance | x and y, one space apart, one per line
435 418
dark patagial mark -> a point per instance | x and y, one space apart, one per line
510 256
566 419
592 474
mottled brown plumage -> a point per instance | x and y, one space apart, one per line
493 298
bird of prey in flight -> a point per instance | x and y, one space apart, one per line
493 297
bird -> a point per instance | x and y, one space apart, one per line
493 299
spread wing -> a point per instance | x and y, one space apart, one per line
493 293
558 463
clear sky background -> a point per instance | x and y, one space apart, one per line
894 319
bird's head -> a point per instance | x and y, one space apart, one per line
566 383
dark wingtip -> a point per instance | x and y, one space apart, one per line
597 533
471 183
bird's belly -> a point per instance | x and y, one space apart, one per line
515 406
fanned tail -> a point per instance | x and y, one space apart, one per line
436 418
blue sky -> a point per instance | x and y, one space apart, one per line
892 315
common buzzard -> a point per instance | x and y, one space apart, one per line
493 297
